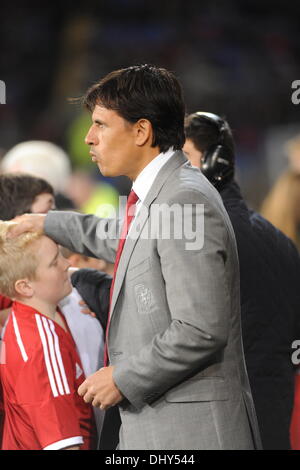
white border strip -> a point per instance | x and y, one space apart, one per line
71 441
46 354
59 358
52 356
19 339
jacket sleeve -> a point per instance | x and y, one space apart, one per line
94 288
85 234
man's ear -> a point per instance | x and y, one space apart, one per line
24 288
144 132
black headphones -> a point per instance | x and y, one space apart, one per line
217 162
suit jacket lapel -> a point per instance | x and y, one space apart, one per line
139 221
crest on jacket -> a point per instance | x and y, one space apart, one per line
143 296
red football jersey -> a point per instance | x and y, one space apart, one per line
40 377
1 415
295 420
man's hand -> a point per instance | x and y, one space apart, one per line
27 223
100 389
85 309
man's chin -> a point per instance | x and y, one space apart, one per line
108 173
102 170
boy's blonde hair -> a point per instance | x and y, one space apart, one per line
18 259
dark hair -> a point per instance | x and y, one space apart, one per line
144 92
18 192
204 133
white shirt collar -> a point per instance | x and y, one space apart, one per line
145 179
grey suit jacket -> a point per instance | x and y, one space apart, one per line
174 335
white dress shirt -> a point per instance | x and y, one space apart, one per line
145 179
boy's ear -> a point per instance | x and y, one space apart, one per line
74 259
24 288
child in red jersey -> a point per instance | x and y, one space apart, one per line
41 371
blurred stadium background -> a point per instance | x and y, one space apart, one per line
234 58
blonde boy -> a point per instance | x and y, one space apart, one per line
42 370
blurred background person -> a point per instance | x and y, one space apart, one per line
269 277
78 189
44 160
92 195
282 205
21 193
292 148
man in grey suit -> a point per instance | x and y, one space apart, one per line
176 363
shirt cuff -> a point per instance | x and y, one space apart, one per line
71 441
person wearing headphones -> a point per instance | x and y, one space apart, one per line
269 277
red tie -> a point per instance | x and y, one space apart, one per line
129 215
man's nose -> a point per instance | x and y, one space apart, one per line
90 138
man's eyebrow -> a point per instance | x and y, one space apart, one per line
55 257
97 121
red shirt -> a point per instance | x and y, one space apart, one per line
295 421
40 378
5 302
1 415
